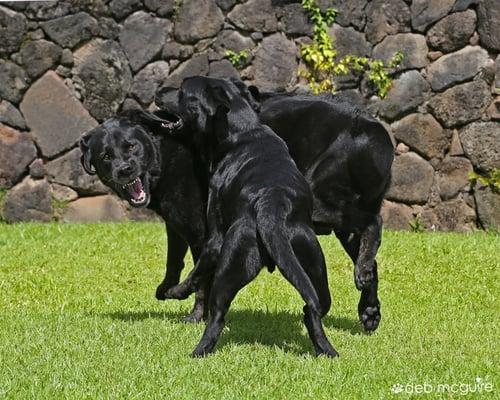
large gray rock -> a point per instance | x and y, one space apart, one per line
275 63
55 117
413 47
453 176
94 209
121 8
148 80
452 32
198 65
296 20
396 216
222 69
232 40
71 30
68 171
141 28
255 15
461 104
457 67
412 179
349 41
488 23
10 115
488 207
174 50
103 71
162 8
17 151
14 81
405 95
45 10
12 30
455 215
28 201
423 134
39 56
426 12
350 12
198 20
386 17
481 144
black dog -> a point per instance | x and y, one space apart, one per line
133 155
259 210
346 157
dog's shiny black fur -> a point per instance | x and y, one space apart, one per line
344 154
259 210
176 183
346 157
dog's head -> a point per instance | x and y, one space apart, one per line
123 152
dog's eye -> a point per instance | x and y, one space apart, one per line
132 147
106 157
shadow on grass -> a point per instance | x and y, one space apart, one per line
282 329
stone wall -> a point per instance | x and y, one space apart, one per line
66 66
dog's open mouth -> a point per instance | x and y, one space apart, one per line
137 192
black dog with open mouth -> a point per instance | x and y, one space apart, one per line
134 156
125 155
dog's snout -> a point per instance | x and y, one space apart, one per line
125 170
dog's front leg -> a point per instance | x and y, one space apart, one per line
366 275
176 251
199 276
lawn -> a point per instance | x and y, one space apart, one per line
78 319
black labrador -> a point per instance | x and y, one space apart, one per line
259 210
134 155
346 157
344 153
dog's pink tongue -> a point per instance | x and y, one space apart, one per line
136 190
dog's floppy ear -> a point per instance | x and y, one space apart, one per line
250 93
86 156
220 122
166 98
157 121
220 98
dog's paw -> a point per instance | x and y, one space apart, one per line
370 317
193 318
179 292
200 352
161 290
330 353
363 277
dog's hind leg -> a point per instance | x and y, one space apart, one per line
282 252
308 251
239 264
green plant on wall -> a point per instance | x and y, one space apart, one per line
238 59
323 65
492 179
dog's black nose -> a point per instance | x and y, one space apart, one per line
125 170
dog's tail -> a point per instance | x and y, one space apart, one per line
272 231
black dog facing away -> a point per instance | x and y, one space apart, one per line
346 157
344 153
259 210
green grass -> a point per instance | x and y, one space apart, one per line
78 319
